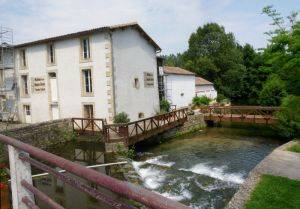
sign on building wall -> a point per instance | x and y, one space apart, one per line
148 79
39 84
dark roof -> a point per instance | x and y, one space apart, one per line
176 70
201 81
94 30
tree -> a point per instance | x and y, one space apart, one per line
273 92
289 117
214 55
282 56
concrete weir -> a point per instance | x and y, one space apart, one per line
278 163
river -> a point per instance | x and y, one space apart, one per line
202 171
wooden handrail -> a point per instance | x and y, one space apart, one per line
145 125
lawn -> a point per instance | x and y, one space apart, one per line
295 148
274 192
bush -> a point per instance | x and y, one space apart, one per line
273 92
203 100
288 125
121 117
165 106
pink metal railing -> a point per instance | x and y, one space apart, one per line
125 189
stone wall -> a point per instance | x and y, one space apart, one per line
43 134
196 120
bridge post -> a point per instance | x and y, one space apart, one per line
19 171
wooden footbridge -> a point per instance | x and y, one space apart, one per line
240 114
132 132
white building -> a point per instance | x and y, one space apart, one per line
94 73
205 88
179 86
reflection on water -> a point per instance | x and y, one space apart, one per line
203 171
84 153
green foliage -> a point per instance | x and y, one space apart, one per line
295 148
165 106
222 99
191 130
274 192
273 91
240 73
3 175
289 117
130 153
202 100
121 117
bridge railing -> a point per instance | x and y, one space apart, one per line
22 156
241 112
125 131
82 125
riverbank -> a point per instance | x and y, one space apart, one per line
280 162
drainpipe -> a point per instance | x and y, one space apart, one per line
112 73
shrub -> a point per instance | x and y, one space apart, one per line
121 117
203 100
130 153
273 92
288 125
165 106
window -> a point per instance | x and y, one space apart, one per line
87 80
51 54
136 83
23 58
24 85
27 110
88 111
141 115
1 77
85 48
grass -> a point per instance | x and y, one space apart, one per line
274 192
295 148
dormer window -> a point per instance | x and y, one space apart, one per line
85 48
51 54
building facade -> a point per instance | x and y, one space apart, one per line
179 86
95 73
205 88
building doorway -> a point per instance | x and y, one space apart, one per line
53 87
27 113
88 112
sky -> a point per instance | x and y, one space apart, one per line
168 22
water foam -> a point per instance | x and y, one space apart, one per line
158 161
184 194
151 177
216 172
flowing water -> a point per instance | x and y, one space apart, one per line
205 170
202 171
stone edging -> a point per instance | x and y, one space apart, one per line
243 194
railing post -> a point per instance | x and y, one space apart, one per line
19 171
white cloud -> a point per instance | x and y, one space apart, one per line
169 22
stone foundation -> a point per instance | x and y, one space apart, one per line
42 134
193 121
114 147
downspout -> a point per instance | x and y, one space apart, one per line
112 74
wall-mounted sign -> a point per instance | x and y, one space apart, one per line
39 84
148 79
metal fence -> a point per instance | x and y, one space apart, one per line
22 156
